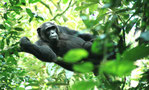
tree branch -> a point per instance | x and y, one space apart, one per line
59 14
47 7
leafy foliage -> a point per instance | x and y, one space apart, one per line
116 23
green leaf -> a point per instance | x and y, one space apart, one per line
96 47
29 12
16 8
84 6
34 1
5 16
84 67
88 23
31 18
130 25
2 26
8 40
11 2
2 44
136 53
83 85
75 55
23 2
93 8
117 67
39 17
12 60
19 29
85 19
20 88
65 1
95 1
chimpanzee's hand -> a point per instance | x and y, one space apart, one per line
24 43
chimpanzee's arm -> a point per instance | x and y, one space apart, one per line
43 53
65 65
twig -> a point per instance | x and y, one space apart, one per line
125 23
47 6
54 4
59 8
59 14
124 82
50 83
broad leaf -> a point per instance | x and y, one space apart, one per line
75 55
85 6
136 53
34 1
130 25
2 43
83 85
39 17
88 23
18 29
96 47
29 12
84 67
117 67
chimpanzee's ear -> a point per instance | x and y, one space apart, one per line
38 31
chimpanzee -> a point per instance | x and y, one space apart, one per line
56 41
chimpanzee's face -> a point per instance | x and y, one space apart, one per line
51 33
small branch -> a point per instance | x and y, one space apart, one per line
59 14
54 4
125 25
128 20
47 6
124 82
50 83
59 8
144 18
105 51
58 4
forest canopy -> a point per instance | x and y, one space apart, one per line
120 26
